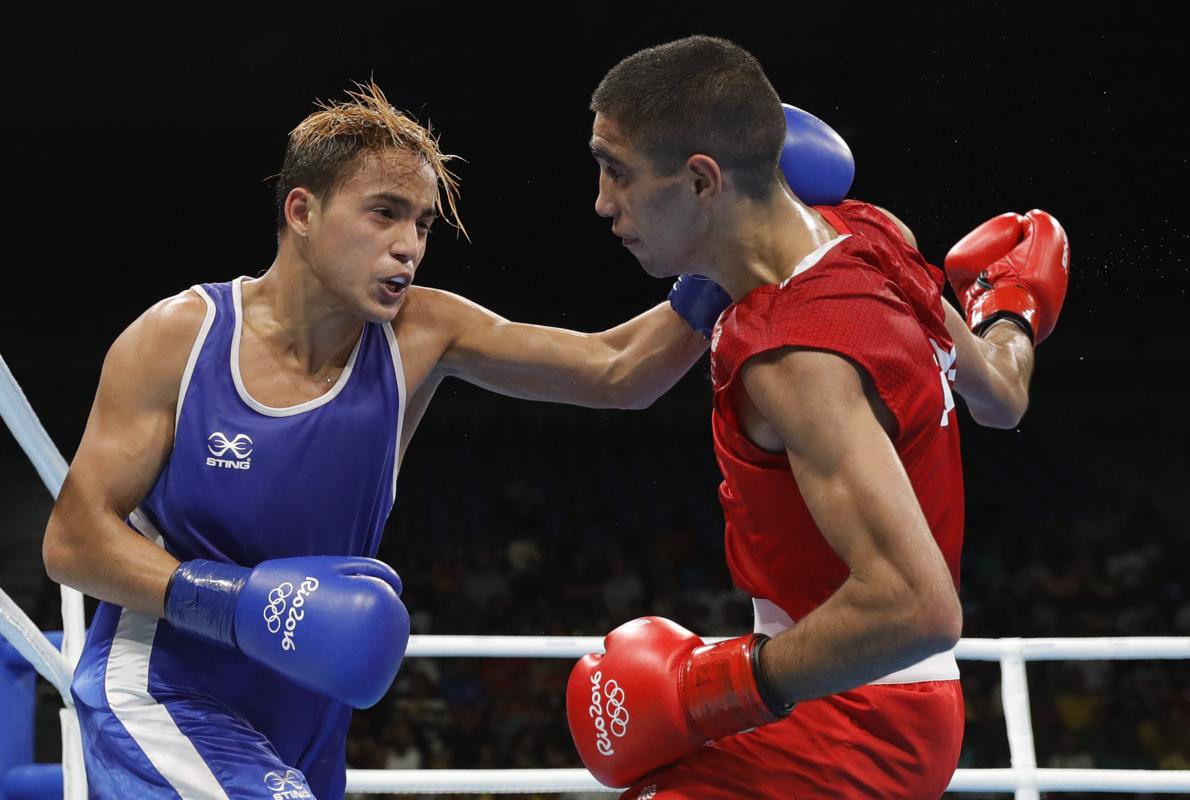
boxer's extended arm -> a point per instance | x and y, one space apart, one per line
628 366
991 373
899 604
128 437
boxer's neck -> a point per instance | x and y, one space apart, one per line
760 243
289 308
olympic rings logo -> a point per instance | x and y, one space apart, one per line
276 609
276 606
616 722
616 711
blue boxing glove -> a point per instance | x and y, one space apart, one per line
334 624
816 161
699 301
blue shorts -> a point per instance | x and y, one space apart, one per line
165 715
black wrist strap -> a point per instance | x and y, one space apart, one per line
1006 316
765 691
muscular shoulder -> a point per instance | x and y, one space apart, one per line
152 352
802 391
901 226
431 323
793 383
423 299
439 313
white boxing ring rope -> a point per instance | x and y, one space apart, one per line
14 624
1023 779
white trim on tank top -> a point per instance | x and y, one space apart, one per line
399 372
253 403
812 259
195 349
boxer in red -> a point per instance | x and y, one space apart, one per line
834 427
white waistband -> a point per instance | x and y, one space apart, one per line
770 620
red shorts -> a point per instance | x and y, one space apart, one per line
888 742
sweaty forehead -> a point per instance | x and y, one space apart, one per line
393 171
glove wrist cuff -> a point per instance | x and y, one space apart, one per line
200 599
720 689
1012 302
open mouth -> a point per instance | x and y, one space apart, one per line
396 284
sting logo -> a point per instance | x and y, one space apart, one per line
240 447
289 786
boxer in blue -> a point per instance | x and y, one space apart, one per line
229 493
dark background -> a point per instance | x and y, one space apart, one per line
138 162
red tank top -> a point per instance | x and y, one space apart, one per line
870 297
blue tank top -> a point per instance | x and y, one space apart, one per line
243 484
248 482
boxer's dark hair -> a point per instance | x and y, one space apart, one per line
703 95
325 150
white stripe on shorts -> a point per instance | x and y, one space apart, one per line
126 686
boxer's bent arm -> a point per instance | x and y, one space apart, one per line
899 603
992 371
628 366
127 440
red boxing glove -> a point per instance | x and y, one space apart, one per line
659 694
1012 266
